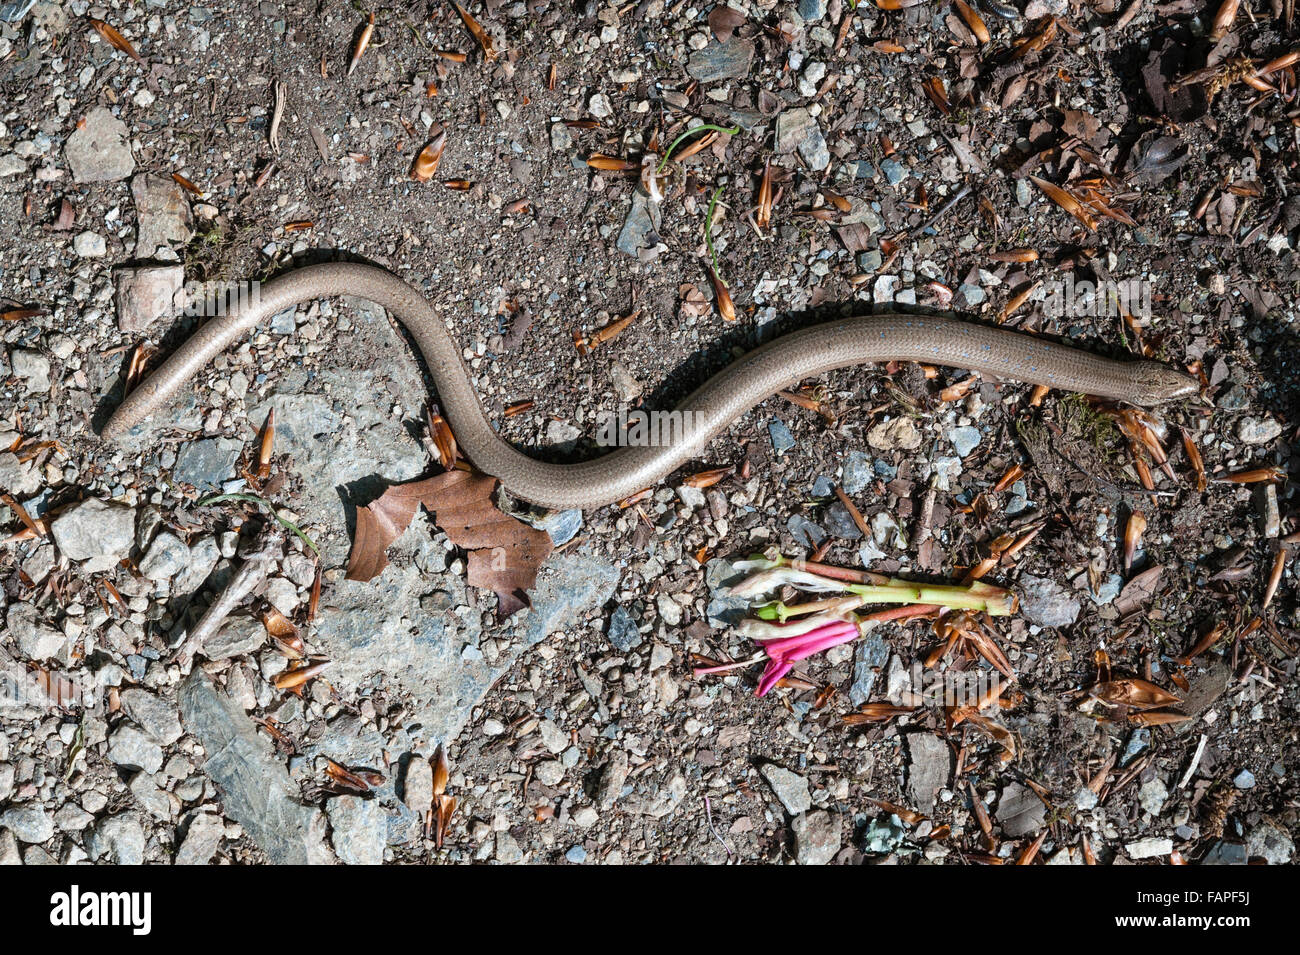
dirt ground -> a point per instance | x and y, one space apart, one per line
905 157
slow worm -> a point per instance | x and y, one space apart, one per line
721 400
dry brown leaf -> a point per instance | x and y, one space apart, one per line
973 20
1138 590
363 41
1133 692
694 304
1066 201
115 39
477 31
504 553
723 21
726 308
426 164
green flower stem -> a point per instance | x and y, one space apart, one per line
994 601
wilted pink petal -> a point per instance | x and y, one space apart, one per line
772 675
783 653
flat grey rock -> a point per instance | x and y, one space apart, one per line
1045 602
929 768
162 213
817 837
1020 812
96 532
256 789
99 151
721 61
146 294
358 829
206 464
790 788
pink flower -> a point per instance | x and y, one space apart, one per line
784 652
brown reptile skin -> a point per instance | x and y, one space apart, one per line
720 401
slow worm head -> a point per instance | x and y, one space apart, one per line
711 408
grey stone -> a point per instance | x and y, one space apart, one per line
166 557
811 10
18 477
869 659
1259 430
96 532
859 473
721 61
1045 602
417 789
1020 811
11 165
98 151
1152 796
9 854
894 171
148 293
790 788
155 715
897 434
32 367
964 440
163 216
840 523
117 839
612 779
549 772
239 636
929 768
1270 842
813 149
359 830
782 439
1150 847
29 822
203 834
1225 852
72 818
15 10
131 748
792 127
89 245
641 227
623 632
561 526
817 837
35 639
256 788
508 851
207 463
1244 780
725 608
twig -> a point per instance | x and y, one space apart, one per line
257 562
946 208
277 115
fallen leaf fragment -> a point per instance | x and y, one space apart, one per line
115 39
426 163
476 30
504 553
